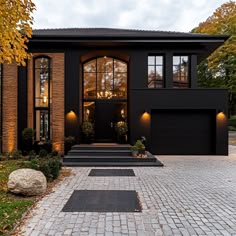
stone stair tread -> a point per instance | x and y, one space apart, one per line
110 164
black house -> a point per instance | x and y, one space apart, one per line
145 79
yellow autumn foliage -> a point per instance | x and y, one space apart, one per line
16 22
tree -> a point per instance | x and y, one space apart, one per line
219 69
15 30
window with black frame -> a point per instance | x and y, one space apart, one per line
155 71
180 71
42 99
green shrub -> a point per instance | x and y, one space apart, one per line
14 155
87 128
28 133
32 164
232 121
231 128
45 168
49 166
55 167
32 155
43 153
54 154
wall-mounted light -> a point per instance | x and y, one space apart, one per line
122 112
71 115
145 116
87 112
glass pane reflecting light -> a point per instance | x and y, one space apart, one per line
106 80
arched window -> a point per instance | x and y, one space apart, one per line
42 98
105 78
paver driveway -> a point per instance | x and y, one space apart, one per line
191 195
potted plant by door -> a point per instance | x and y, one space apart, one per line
88 131
141 148
134 151
121 129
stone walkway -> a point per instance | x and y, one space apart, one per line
191 195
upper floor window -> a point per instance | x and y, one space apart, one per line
155 71
105 78
180 71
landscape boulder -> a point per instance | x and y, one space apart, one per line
27 182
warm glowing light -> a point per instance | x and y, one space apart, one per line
71 115
221 116
87 111
45 99
145 116
57 146
122 112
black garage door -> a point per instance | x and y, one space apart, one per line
183 132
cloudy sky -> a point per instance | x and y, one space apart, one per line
172 15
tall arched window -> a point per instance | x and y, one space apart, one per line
42 98
104 78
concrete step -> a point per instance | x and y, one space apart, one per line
101 147
98 152
111 164
90 158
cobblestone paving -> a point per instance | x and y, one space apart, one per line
191 195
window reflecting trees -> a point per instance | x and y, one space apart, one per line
155 72
180 71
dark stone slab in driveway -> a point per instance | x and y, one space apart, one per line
103 201
111 172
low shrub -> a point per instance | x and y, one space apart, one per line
32 155
50 166
232 121
231 128
43 153
14 155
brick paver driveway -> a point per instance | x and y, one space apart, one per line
191 195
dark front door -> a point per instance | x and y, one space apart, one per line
104 121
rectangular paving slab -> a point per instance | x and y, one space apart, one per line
103 201
111 172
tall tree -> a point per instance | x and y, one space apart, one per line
219 69
15 30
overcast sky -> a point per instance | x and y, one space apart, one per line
171 15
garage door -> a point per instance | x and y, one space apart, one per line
183 132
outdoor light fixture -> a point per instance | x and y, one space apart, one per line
87 111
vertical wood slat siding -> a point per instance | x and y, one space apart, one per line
9 108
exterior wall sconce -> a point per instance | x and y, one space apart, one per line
145 116
87 112
71 115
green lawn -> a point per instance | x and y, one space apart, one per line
11 206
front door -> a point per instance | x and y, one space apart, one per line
104 121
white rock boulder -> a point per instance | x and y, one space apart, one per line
27 182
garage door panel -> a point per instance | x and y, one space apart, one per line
183 132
